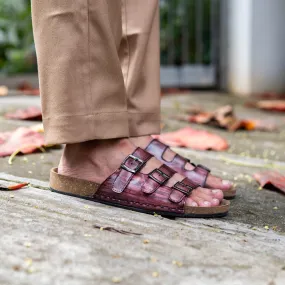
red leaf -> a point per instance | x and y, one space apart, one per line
24 139
195 139
271 178
28 89
268 105
31 113
13 187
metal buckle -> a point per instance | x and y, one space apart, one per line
164 175
138 167
204 167
176 186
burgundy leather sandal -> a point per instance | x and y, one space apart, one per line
198 175
129 188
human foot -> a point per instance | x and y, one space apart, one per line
181 165
97 160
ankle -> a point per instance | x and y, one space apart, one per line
142 141
94 160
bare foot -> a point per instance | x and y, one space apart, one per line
213 182
96 160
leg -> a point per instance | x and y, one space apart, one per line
139 56
140 61
81 81
88 99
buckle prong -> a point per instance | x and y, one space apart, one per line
138 167
161 173
187 193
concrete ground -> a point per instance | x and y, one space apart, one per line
50 239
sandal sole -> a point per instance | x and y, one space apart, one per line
230 194
76 187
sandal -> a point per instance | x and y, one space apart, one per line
198 175
129 188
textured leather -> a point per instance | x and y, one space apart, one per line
198 175
129 167
157 178
128 186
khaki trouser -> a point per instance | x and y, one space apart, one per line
98 64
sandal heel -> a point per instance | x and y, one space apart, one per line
72 186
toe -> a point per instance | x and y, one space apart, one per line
207 198
218 194
212 193
201 202
190 202
216 182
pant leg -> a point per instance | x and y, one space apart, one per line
140 61
82 84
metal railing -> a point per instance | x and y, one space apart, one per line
189 42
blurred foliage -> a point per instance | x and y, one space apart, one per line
17 52
181 17
177 17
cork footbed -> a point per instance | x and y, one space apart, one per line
230 194
86 189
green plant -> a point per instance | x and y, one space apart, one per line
16 38
179 39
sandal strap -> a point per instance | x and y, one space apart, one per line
181 190
157 178
198 175
129 187
132 164
156 148
201 174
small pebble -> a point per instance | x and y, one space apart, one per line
155 274
116 279
177 263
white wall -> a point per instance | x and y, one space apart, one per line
253 46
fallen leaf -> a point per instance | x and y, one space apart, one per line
3 90
13 187
22 140
27 89
271 179
270 95
111 229
195 139
268 105
166 91
225 118
31 113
